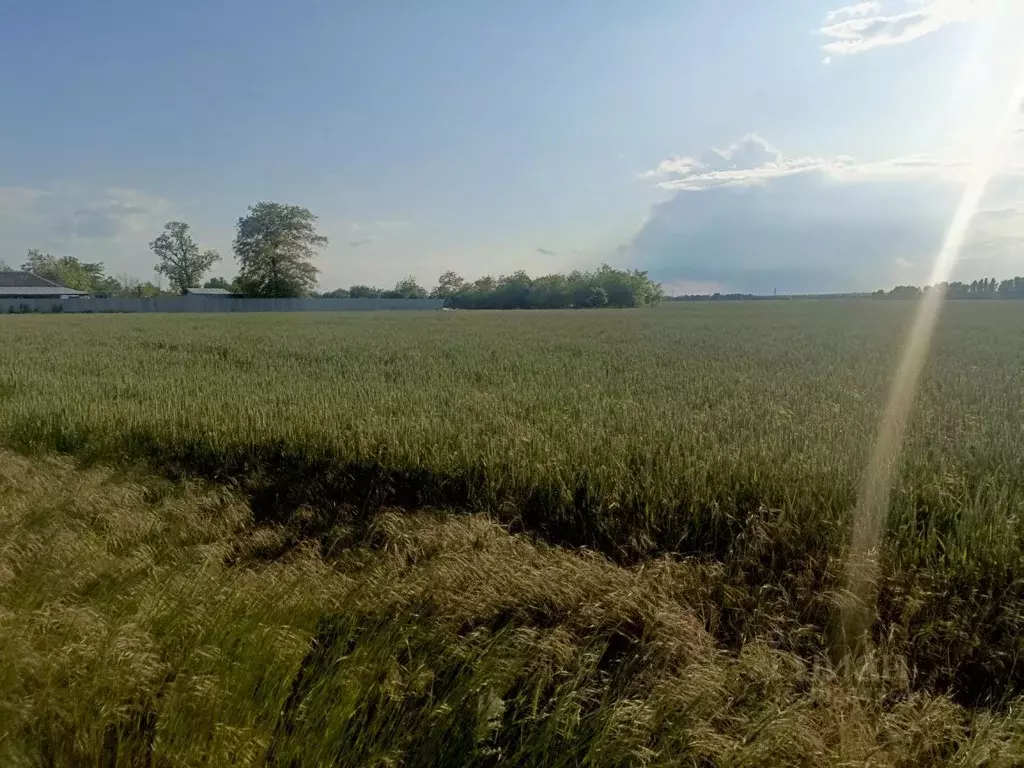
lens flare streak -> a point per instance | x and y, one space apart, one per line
871 511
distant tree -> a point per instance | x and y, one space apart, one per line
485 284
596 297
67 271
5 267
550 292
513 291
408 288
337 293
179 258
604 287
219 282
1012 288
129 287
275 244
448 285
364 292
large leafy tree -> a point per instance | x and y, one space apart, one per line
448 285
409 289
179 258
275 244
67 270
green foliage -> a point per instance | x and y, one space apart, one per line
408 288
604 287
275 244
985 288
364 292
155 623
220 282
129 287
67 270
179 258
337 293
448 285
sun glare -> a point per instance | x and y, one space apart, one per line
873 502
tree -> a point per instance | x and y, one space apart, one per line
219 282
410 289
129 287
337 293
448 284
275 244
179 258
364 292
67 271
605 287
596 296
4 266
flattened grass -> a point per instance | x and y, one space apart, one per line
142 624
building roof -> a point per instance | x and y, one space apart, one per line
38 292
208 292
26 284
17 279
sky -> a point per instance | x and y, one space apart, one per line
722 145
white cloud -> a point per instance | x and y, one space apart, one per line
111 225
750 218
851 11
865 26
752 161
360 242
748 162
385 224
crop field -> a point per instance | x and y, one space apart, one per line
526 538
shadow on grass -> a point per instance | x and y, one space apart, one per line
960 632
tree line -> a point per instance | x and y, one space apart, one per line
603 287
985 288
274 247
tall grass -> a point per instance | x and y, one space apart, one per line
731 436
141 622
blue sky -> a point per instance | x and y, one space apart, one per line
487 137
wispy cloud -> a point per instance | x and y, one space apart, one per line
853 11
547 251
360 242
390 224
107 224
752 161
72 210
864 26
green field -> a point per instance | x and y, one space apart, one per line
546 538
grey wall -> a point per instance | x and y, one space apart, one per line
212 304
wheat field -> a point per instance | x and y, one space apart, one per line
527 538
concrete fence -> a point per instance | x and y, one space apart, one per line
211 304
